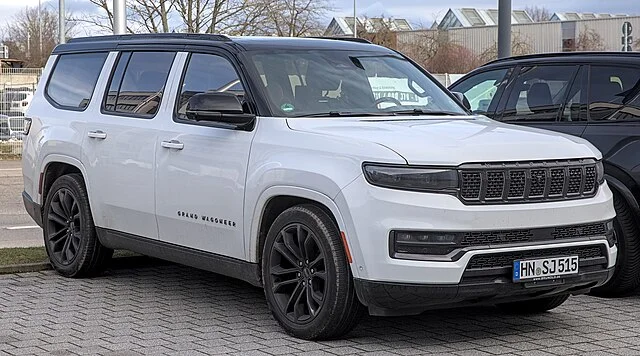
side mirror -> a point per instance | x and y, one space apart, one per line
224 108
462 99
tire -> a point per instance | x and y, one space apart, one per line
330 307
69 233
626 277
534 306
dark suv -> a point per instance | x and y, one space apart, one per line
591 95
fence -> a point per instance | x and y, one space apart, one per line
17 87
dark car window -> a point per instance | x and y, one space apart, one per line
481 89
207 73
73 79
538 93
138 82
575 109
610 88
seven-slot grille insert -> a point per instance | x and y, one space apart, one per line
500 183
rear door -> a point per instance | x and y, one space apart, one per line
119 149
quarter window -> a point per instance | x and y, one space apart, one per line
611 88
208 73
74 78
138 82
538 93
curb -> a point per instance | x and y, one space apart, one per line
116 263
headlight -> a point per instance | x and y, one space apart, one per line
412 178
599 172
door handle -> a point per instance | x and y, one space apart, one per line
173 144
101 135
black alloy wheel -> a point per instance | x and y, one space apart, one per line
64 227
298 271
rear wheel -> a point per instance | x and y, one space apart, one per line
626 277
307 279
534 306
69 233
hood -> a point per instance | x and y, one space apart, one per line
452 140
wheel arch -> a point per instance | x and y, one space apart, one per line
54 166
274 201
617 186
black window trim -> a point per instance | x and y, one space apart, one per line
103 111
516 73
566 98
51 101
633 122
219 125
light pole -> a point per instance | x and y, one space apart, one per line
61 22
355 20
119 17
504 28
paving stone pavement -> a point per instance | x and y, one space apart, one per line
169 309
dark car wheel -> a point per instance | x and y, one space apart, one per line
534 306
307 279
626 277
69 234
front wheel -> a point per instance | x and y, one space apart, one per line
307 279
534 306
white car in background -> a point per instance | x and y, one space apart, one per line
15 101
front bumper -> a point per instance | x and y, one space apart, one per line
33 208
387 298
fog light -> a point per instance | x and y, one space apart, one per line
424 242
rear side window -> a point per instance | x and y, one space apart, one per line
73 79
137 83
539 92
611 88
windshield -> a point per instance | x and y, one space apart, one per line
336 83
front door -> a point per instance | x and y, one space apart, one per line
201 166
119 149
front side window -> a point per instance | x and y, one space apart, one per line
481 89
611 88
332 83
538 93
207 73
73 79
137 83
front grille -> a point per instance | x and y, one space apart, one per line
566 232
505 259
500 183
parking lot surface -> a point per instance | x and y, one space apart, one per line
169 309
17 229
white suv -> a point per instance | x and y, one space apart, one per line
337 175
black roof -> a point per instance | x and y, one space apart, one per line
164 40
578 57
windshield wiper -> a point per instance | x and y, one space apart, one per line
346 114
419 112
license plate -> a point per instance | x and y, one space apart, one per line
544 268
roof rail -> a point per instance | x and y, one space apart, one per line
152 36
563 54
347 39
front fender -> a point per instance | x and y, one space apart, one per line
253 222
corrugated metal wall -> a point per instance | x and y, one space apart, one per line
611 30
541 37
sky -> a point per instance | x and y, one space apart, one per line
419 12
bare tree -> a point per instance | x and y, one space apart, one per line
294 18
520 45
152 15
379 31
31 38
435 51
538 14
589 40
